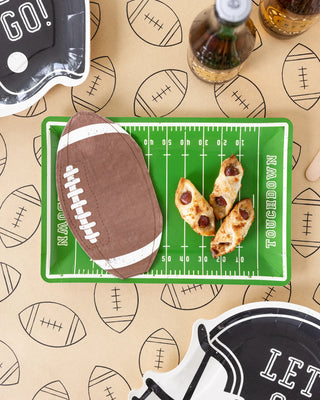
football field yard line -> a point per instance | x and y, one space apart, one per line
258 197
202 238
239 197
48 216
167 167
148 144
240 156
185 175
75 257
221 160
285 211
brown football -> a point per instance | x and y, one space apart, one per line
107 195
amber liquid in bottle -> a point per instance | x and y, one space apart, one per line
217 51
287 18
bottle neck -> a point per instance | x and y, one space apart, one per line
227 28
225 22
227 31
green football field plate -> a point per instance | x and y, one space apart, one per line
193 148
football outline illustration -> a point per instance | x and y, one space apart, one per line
3 154
300 76
316 295
20 215
189 296
244 94
52 391
296 152
154 22
38 108
97 90
9 280
254 293
306 208
106 383
117 305
159 352
10 367
218 365
52 324
161 93
37 150
95 18
258 42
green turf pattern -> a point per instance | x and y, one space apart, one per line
191 148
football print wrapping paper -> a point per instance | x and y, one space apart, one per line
95 340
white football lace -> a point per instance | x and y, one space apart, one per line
78 204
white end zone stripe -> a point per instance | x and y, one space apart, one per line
130 258
88 131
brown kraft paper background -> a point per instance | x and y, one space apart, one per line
127 348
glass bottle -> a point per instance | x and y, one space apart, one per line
221 38
287 18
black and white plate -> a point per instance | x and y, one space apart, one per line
257 351
43 43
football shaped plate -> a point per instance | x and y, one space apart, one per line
107 196
43 43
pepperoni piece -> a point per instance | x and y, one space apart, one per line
221 201
230 170
186 197
214 253
203 221
244 214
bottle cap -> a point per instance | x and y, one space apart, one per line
233 11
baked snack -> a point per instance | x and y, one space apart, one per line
233 229
226 187
194 208
107 195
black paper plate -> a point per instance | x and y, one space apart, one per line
275 352
43 43
261 351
